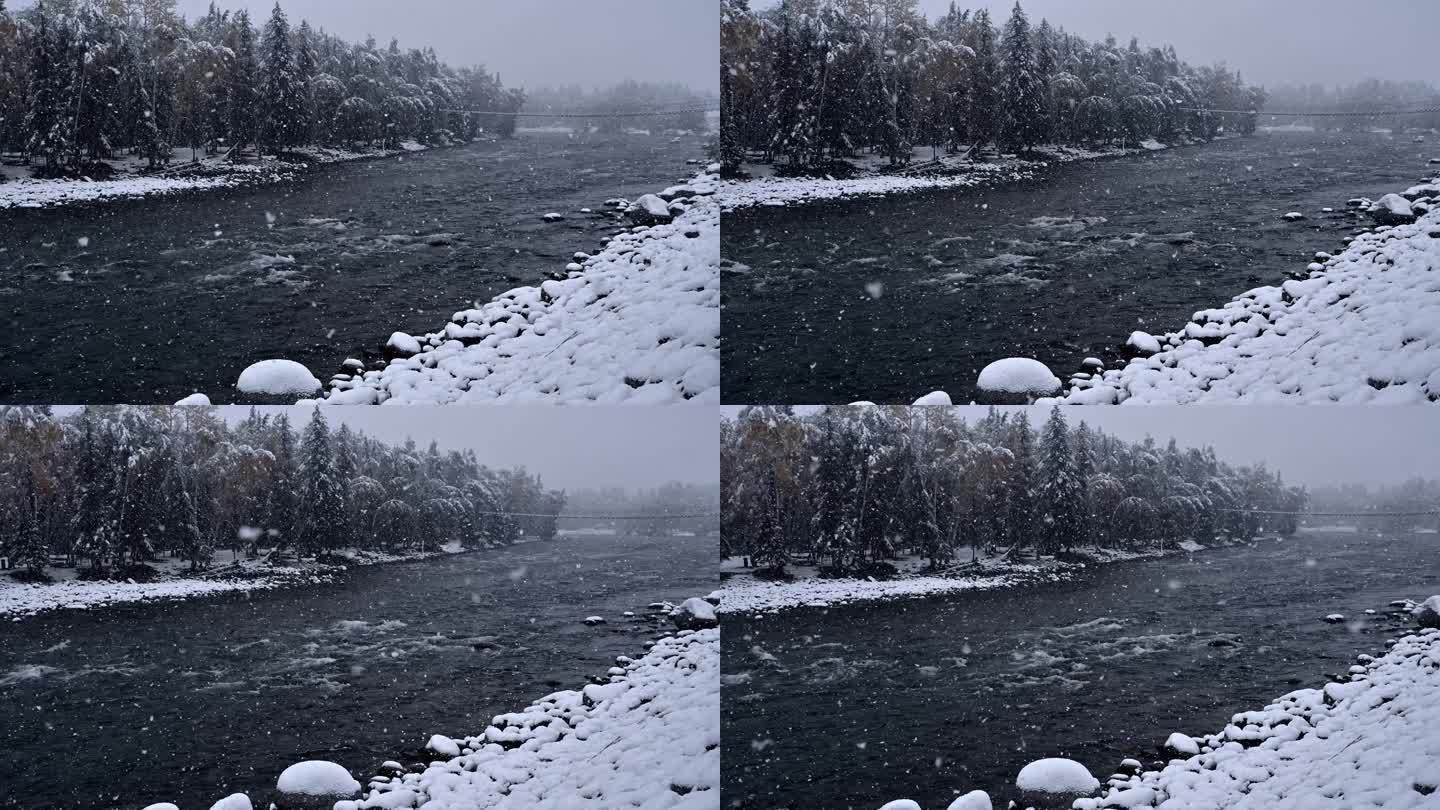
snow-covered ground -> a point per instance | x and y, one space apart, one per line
649 738
638 322
1372 740
1363 327
184 175
744 593
947 172
18 600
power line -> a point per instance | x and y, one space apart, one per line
1429 513
1320 114
607 517
649 114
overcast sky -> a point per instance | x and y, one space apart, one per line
570 447
1269 41
1310 445
532 43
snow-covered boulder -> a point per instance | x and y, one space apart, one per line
235 801
443 746
1016 381
934 398
594 620
901 804
649 209
1055 782
194 401
315 784
1427 613
1335 618
401 344
1293 216
1141 344
974 800
553 217
277 378
694 614
1182 744
1392 209
161 806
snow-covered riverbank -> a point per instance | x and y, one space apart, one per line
648 736
209 173
1359 329
948 172
743 593
638 322
18 600
1368 741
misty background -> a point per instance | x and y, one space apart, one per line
1270 43
1309 446
535 43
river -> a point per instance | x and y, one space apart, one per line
169 296
190 701
887 299
927 698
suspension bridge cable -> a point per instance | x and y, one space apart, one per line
648 114
1321 114
1428 513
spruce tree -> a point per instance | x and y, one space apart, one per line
985 110
242 99
1020 506
281 502
45 121
283 111
324 507
1024 106
1060 499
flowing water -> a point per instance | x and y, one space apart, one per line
169 296
886 299
853 706
190 701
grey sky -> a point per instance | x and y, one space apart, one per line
1309 445
1270 41
592 43
569 447
532 43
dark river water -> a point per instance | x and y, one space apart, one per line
925 699
190 701
176 295
1057 268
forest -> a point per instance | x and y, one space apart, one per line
86 81
850 487
814 82
112 488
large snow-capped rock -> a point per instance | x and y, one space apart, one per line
1392 209
1182 744
649 209
1016 381
315 784
933 398
278 378
694 614
1427 613
1056 777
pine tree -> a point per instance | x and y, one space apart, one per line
1020 506
324 507
45 121
242 100
306 69
1024 103
985 109
1060 500
281 502
284 123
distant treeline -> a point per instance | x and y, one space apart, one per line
86 80
813 81
113 487
663 502
1414 495
624 99
852 486
1372 94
